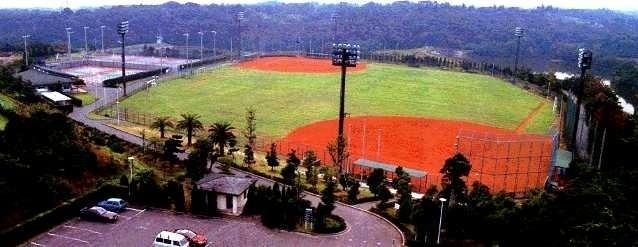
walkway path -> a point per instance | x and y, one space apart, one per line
364 228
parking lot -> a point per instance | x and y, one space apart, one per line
138 227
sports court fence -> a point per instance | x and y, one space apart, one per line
109 64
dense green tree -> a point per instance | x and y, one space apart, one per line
309 159
289 171
251 127
191 124
161 124
376 179
453 184
172 146
353 193
249 155
271 156
325 207
198 159
221 133
312 176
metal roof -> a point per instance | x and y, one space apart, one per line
225 184
38 77
55 96
389 167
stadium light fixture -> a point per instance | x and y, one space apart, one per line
201 45
26 52
334 17
214 48
584 63
518 32
438 236
122 29
240 18
68 39
343 55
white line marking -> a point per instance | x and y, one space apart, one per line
126 217
36 244
67 237
135 209
138 213
84 229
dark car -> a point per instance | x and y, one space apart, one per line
98 214
113 204
195 239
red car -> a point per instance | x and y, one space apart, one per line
195 239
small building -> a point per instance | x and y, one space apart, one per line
58 100
45 79
230 192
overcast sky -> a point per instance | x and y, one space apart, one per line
623 5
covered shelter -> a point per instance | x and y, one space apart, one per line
228 192
421 177
43 79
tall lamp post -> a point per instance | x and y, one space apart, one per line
130 178
86 44
584 63
201 45
438 236
343 55
102 36
26 52
214 48
518 32
122 29
68 41
240 17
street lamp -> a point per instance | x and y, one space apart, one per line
130 178
343 55
26 53
438 236
102 36
68 39
86 44
201 45
214 48
584 63
122 29
518 32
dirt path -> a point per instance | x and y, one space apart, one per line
529 118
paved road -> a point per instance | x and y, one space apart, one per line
364 228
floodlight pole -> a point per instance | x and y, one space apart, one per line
122 29
102 37
584 63
187 35
86 44
26 52
334 18
518 32
240 17
344 55
214 48
68 44
201 45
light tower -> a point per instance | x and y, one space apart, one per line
584 63
122 29
26 52
68 41
86 44
102 36
518 32
214 48
187 35
343 55
240 17
201 45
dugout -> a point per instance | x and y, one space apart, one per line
364 167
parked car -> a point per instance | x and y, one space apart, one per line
98 214
170 239
195 239
113 204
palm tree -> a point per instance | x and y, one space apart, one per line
221 134
161 123
190 122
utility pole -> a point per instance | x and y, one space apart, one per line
214 48
240 17
102 37
201 45
86 44
68 43
187 35
26 52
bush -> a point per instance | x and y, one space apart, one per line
334 224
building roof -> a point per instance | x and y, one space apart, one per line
55 96
389 167
224 183
38 76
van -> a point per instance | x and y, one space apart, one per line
170 239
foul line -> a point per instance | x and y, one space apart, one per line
67 237
530 117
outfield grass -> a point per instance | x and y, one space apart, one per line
285 101
87 98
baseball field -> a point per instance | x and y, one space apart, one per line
396 114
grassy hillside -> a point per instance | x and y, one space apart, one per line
285 101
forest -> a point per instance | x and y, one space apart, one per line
550 42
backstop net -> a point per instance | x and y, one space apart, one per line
512 163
